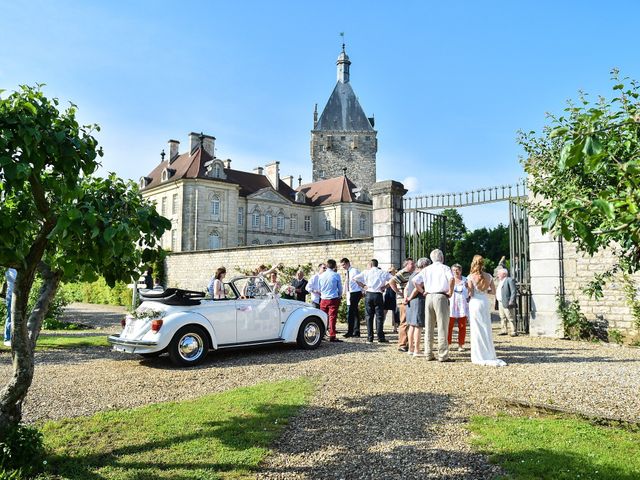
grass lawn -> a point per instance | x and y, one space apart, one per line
558 448
221 436
54 342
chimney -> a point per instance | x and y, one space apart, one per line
174 146
288 180
227 163
258 170
273 173
208 143
299 180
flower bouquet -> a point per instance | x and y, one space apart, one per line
287 291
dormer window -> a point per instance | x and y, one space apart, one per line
144 181
215 169
300 197
165 175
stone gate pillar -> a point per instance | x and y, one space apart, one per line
388 236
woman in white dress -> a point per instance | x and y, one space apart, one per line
482 349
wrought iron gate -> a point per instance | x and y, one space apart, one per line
423 231
519 256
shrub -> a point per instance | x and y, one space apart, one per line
616 336
576 325
56 307
20 452
98 292
342 311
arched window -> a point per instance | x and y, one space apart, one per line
362 223
255 219
268 220
217 171
165 175
255 241
215 207
268 242
280 221
214 240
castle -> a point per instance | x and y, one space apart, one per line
213 206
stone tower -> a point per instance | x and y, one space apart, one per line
343 137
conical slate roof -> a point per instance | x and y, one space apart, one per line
343 111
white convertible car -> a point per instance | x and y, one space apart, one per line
186 326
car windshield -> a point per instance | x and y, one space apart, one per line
253 287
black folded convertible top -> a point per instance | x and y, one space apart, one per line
173 296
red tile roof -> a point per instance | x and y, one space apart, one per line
331 190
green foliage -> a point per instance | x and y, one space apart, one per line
631 296
55 309
225 435
557 448
21 452
575 324
343 310
585 167
67 341
491 243
455 231
616 336
98 292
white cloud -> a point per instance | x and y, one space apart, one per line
411 184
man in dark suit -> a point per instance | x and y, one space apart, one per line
506 299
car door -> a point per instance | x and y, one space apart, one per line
222 317
257 312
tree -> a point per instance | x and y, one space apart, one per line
455 230
584 170
59 221
491 243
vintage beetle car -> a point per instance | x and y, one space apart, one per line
185 325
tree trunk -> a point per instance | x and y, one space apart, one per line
25 332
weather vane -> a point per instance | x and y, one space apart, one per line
342 35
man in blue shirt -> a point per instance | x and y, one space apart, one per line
330 294
7 291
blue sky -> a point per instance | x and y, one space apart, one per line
449 83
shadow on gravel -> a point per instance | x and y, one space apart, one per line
519 354
266 355
384 436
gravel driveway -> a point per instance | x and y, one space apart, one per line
378 413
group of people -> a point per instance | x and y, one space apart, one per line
430 297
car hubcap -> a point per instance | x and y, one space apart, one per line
190 346
311 333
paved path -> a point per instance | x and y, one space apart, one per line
377 413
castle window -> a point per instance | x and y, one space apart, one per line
165 175
343 138
293 222
362 223
268 242
268 220
367 137
307 223
174 240
280 221
215 208
240 215
163 208
327 225
255 241
217 171
214 240
255 219
174 204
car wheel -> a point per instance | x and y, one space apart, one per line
189 346
310 333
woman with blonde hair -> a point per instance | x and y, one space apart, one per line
482 349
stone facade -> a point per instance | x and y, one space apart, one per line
557 266
333 150
193 270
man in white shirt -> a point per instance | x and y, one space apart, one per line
374 282
353 294
436 282
314 285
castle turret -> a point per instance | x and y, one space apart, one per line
343 136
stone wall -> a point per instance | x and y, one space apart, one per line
331 151
551 261
192 270
579 271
